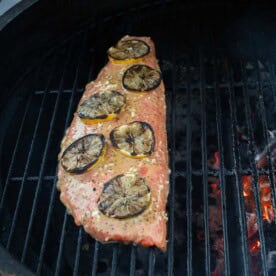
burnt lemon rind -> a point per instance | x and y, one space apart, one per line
131 57
104 205
84 168
133 154
104 116
133 89
116 111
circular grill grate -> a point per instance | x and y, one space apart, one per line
210 89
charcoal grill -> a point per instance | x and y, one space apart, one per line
218 65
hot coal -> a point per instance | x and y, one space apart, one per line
215 213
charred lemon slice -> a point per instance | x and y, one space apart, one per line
84 153
102 106
133 140
141 78
124 196
128 51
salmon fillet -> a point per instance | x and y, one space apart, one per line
80 192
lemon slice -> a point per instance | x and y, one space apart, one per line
101 107
141 78
83 153
128 51
124 196
135 139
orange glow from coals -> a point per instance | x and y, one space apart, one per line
255 246
248 193
247 187
216 157
266 213
265 195
214 187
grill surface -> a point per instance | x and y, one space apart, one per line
213 85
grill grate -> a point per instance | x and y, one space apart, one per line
255 183
204 166
237 174
209 95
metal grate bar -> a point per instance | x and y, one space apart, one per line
236 84
189 179
61 242
65 91
114 260
273 81
95 259
18 139
265 135
255 175
97 245
47 224
53 193
15 151
226 172
177 173
32 178
151 261
237 173
91 70
204 167
68 115
172 166
26 168
77 258
222 174
132 261
45 153
45 234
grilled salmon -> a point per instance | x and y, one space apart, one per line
121 197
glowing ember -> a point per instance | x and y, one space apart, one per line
215 188
254 246
247 187
250 206
216 164
254 243
266 215
265 196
